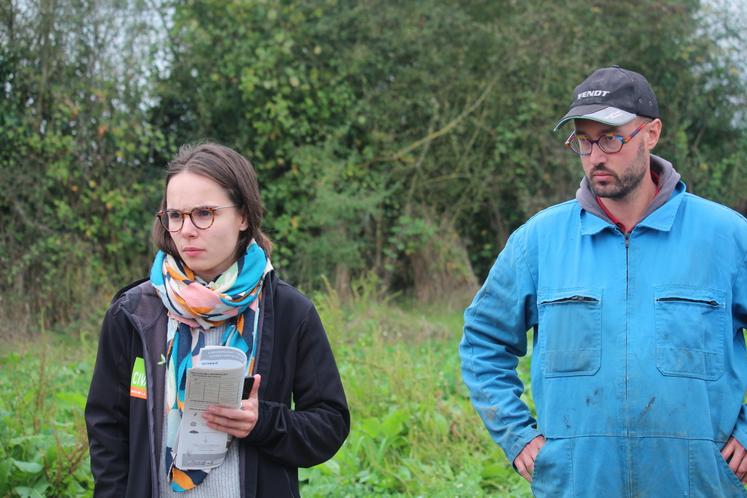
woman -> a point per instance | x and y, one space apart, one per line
212 284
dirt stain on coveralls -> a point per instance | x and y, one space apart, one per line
491 413
593 398
648 406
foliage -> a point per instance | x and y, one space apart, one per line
73 183
401 373
272 86
414 431
371 113
43 446
373 126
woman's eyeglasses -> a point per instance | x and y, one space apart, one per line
202 217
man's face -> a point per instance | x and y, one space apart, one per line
615 176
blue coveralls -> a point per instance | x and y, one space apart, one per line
638 367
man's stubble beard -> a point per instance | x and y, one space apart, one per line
621 186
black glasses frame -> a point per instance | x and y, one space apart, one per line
621 139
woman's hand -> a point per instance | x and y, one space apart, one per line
237 422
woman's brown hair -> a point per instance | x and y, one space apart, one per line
235 174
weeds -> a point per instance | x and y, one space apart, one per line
43 446
414 431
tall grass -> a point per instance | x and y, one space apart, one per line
414 432
43 387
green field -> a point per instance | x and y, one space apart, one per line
414 432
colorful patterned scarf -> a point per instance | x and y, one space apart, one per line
194 306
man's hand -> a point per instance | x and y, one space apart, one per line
735 454
524 462
237 422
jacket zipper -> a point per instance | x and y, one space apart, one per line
627 304
707 302
572 299
629 456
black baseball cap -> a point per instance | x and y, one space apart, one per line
613 96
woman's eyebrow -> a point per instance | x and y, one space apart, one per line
196 206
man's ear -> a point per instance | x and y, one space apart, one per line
652 133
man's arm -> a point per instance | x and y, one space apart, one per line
495 336
734 450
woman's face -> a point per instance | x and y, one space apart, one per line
208 252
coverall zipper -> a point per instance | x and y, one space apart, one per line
707 302
627 303
628 449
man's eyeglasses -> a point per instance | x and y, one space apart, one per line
202 217
609 143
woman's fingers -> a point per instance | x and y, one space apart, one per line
238 422
254 394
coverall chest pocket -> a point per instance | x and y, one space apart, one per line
570 331
690 331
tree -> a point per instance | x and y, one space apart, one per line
75 157
375 126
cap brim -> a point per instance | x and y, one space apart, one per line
603 114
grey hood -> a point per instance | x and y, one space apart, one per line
668 178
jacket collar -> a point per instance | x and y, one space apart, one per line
659 215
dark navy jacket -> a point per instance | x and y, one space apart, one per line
294 359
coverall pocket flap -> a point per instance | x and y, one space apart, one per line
570 331
690 331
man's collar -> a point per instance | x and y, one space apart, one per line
660 219
665 177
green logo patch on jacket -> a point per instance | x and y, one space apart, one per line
138 387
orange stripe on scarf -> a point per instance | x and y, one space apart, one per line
174 274
182 479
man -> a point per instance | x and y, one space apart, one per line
636 292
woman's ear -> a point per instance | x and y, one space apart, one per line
244 220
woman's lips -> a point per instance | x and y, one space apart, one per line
192 251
